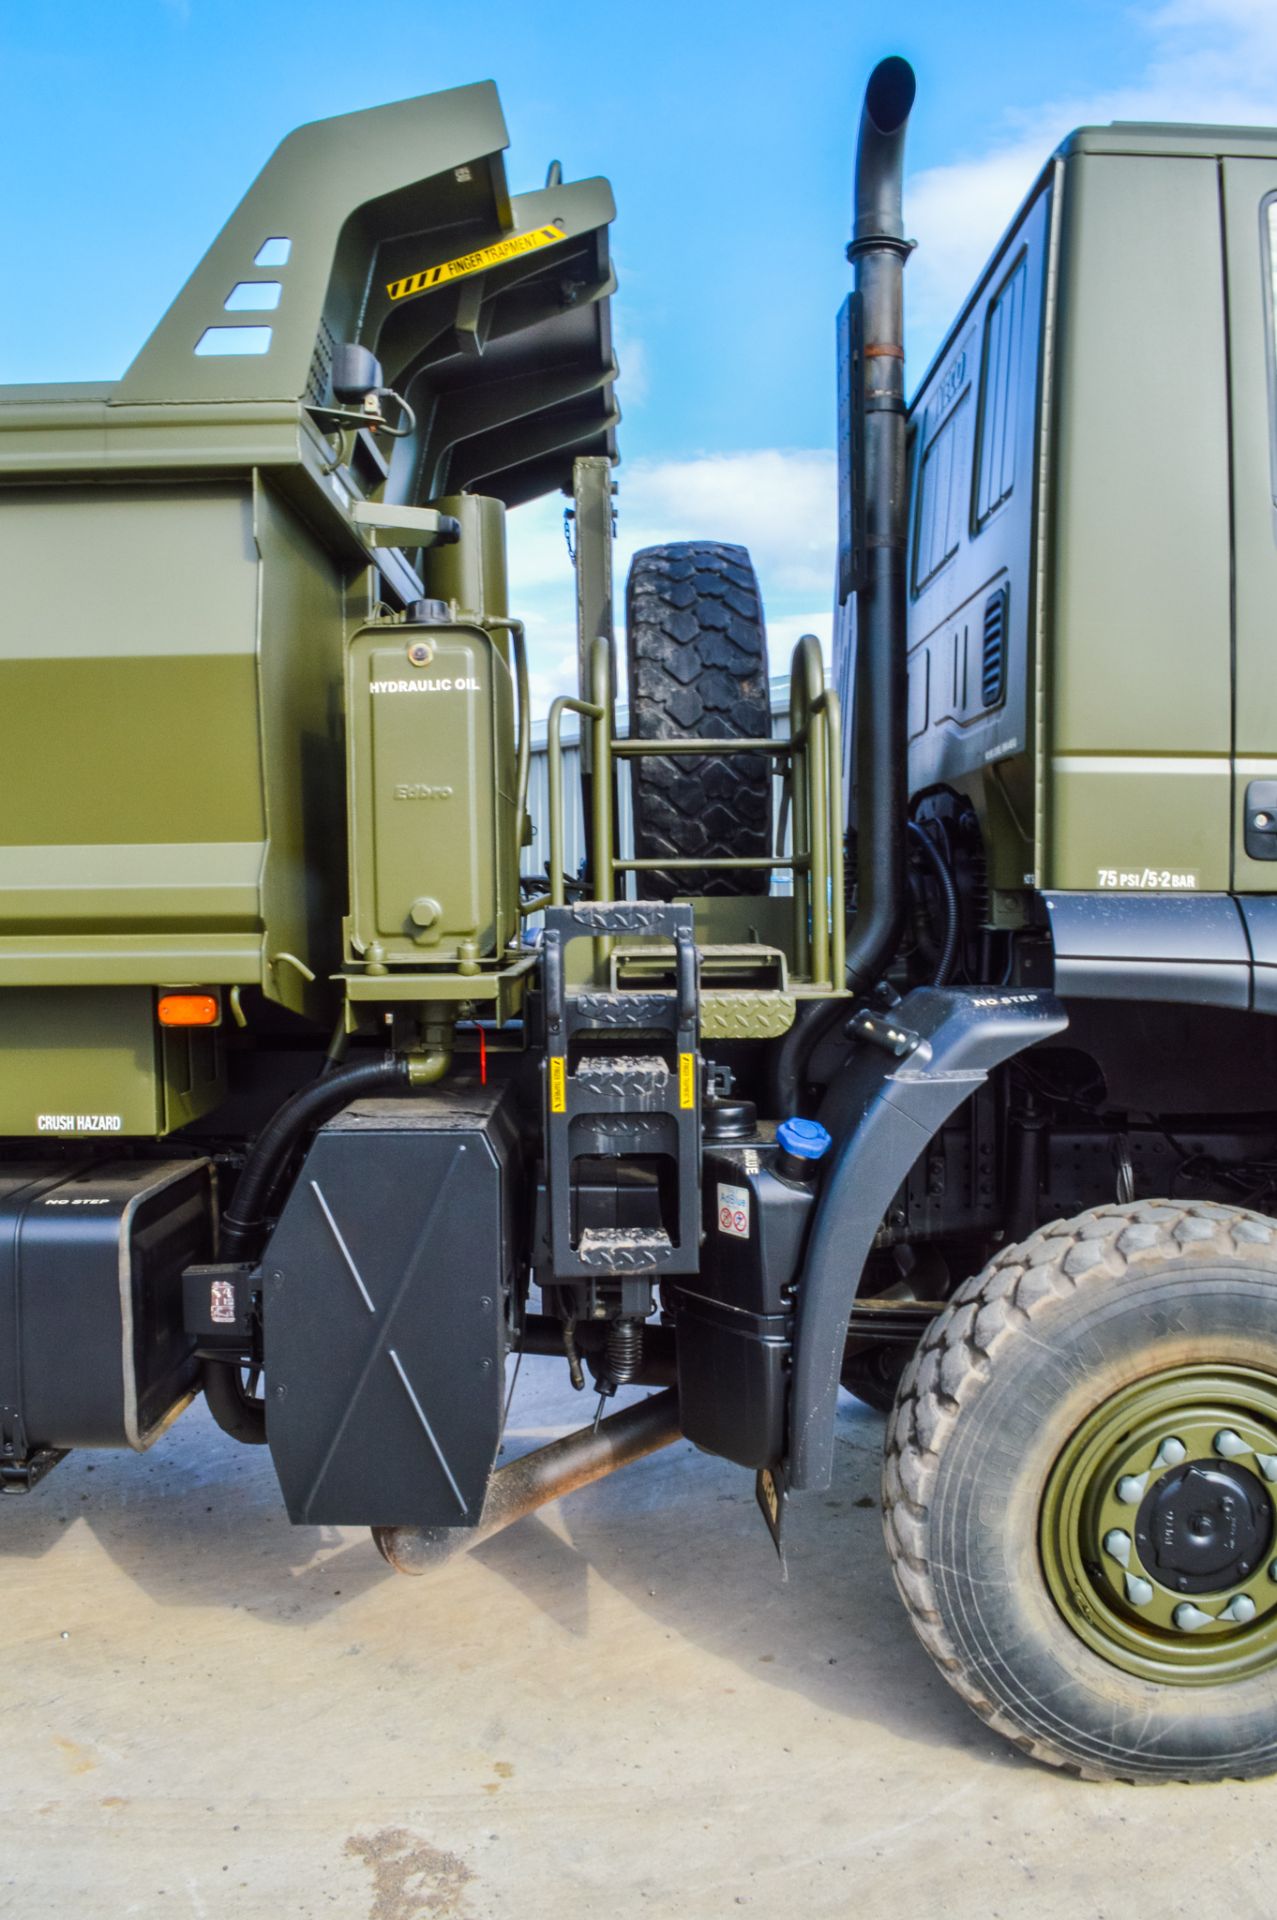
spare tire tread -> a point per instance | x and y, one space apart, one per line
698 667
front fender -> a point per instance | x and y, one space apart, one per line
882 1111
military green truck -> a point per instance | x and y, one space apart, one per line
313 1102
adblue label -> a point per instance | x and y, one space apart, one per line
733 1211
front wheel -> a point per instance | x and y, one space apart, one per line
1081 1493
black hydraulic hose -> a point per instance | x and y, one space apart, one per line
230 1405
234 1410
949 894
878 252
245 1217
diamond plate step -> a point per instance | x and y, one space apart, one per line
631 1081
624 1249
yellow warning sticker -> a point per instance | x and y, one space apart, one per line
465 263
558 1083
687 1079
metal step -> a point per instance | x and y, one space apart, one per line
604 1101
747 966
632 1083
624 1249
604 1010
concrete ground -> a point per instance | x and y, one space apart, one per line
614 1709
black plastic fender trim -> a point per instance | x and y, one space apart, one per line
1189 948
882 1112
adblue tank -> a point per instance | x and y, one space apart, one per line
735 1317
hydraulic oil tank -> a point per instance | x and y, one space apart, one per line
431 780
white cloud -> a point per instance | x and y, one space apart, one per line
551 671
779 503
1208 60
631 358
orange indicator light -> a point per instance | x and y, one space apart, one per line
188 1010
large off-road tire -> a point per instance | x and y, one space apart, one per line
1079 1493
698 669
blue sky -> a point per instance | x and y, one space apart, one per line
131 129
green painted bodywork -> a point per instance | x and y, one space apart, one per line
1134 538
97 1065
434 853
194 568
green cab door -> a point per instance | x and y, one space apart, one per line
1250 252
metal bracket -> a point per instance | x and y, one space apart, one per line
772 1496
882 1031
20 1476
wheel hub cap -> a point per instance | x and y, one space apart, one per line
1159 1531
1204 1526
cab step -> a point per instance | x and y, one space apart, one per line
623 1081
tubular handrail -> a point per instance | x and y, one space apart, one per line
806 687
601 782
829 708
632 749
554 769
694 862
813 750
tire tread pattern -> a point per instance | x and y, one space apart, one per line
989 1311
698 666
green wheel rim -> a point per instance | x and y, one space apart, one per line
1158 1529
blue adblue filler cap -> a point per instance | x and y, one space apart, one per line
805 1139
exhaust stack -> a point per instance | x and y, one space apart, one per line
874 487
873 536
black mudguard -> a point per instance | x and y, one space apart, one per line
882 1111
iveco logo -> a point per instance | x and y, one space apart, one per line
953 382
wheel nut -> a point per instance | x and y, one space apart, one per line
1241 1610
1118 1546
1170 1453
1230 1445
1138 1592
1190 1619
1130 1488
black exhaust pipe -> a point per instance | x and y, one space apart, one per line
878 252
